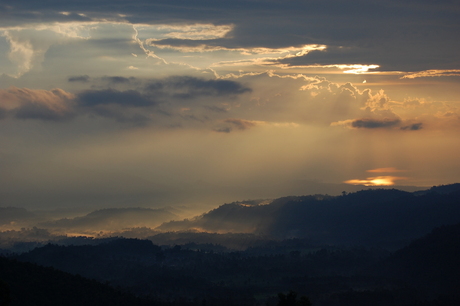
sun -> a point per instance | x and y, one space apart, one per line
376 181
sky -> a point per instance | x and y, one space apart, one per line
196 103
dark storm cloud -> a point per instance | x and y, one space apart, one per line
413 127
223 130
79 78
393 56
41 112
375 123
152 92
397 35
138 103
118 79
128 98
128 107
186 87
143 100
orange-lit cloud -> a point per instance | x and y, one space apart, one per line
385 170
25 103
432 73
241 124
376 181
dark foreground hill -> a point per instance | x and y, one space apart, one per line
432 261
26 284
424 273
421 274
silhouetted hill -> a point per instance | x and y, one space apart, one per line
26 284
75 259
220 278
112 219
442 189
381 217
144 269
432 262
187 275
228 241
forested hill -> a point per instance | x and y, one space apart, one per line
424 273
384 217
432 259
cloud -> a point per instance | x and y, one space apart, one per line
142 100
216 109
128 98
32 110
432 73
197 31
413 127
24 103
385 170
369 123
355 31
374 123
241 124
331 55
223 130
186 87
28 44
118 79
79 78
214 45
130 117
357 43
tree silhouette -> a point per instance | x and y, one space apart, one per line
290 299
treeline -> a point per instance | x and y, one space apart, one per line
426 270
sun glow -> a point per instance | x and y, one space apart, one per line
385 170
376 181
358 69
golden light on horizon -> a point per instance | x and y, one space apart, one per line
376 181
385 170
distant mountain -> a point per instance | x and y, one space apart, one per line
379 217
112 219
236 217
